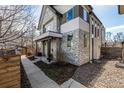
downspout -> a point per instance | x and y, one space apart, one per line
90 40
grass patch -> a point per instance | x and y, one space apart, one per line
57 71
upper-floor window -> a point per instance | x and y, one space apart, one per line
92 29
85 15
95 32
44 29
98 32
70 15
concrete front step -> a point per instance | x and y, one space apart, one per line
120 64
71 83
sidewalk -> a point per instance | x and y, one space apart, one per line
36 77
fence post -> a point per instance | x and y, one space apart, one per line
123 52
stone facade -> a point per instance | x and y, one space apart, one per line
84 50
70 54
77 54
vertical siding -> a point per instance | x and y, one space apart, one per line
76 11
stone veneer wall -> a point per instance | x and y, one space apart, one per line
70 54
84 51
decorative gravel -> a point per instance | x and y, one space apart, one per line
104 75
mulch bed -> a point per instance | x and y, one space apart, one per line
59 72
24 79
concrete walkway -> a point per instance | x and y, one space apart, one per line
36 77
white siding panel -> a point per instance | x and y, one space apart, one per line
70 26
83 25
74 24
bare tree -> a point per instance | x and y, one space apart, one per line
119 37
108 36
15 21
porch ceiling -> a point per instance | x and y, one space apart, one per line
48 34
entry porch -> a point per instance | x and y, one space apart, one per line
48 46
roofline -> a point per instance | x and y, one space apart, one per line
97 18
40 18
90 7
55 10
51 6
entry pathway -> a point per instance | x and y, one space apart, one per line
36 77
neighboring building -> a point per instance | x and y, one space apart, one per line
121 9
70 33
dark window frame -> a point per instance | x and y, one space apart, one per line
85 40
98 32
69 40
95 31
87 15
92 29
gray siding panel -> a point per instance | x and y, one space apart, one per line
63 18
81 11
76 11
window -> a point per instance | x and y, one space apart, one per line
44 29
98 32
69 39
92 29
85 40
85 15
95 32
69 15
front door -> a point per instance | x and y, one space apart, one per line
45 48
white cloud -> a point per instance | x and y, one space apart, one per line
114 28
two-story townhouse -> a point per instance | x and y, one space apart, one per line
70 33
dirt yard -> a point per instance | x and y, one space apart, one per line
104 75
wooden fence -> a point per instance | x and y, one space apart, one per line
4 52
10 71
111 52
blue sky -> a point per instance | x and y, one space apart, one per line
108 14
